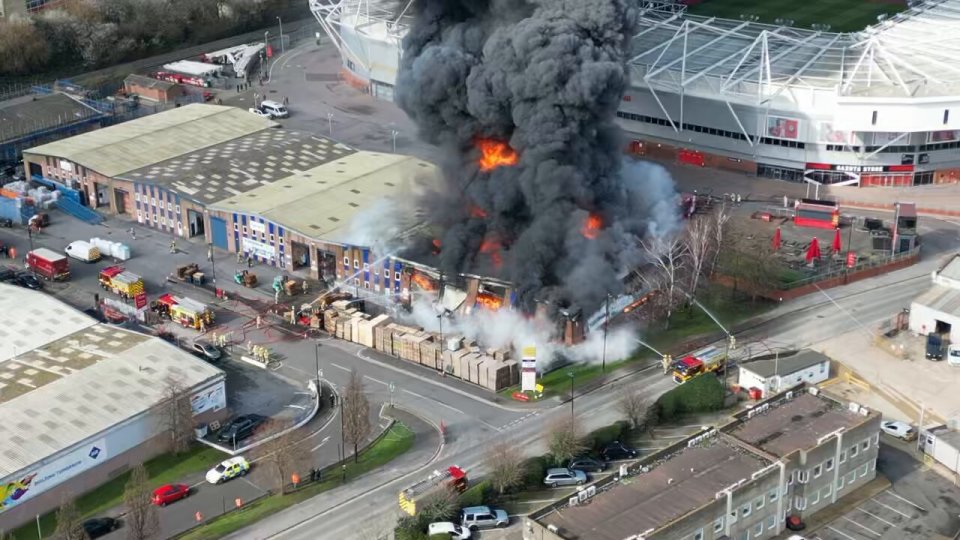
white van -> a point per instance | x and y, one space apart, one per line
83 251
274 109
953 355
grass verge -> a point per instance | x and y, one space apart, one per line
164 469
397 440
729 308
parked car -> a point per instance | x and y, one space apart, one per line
169 493
898 429
207 351
240 428
97 527
228 469
28 280
953 355
564 477
617 450
448 528
934 347
274 109
587 464
261 113
7 273
6 223
483 517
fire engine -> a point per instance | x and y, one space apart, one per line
453 478
118 281
708 360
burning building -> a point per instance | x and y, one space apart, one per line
522 96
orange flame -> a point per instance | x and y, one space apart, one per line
489 301
591 227
492 247
477 212
495 154
423 281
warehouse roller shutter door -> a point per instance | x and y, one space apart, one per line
218 232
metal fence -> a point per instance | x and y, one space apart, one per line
862 265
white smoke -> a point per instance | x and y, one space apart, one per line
507 328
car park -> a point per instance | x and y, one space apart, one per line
446 528
169 493
934 347
207 351
564 477
97 527
240 428
617 451
483 517
228 469
587 464
898 429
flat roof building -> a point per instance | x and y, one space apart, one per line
81 400
771 372
787 457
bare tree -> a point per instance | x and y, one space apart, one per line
667 256
698 240
505 463
142 520
633 407
284 455
177 414
441 506
69 524
720 217
564 441
355 413
22 47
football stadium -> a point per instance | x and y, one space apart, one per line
730 88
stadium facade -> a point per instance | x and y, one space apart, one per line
879 107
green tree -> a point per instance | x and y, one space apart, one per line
564 441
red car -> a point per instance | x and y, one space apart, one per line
169 493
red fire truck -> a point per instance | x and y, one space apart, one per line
49 264
453 478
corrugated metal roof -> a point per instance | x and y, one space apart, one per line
74 386
30 319
785 364
21 117
951 270
942 299
138 143
322 202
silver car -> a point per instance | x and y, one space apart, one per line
564 477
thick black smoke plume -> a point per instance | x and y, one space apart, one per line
545 77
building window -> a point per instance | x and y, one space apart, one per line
244 230
745 510
163 205
865 445
733 517
758 503
773 495
178 208
698 535
946 116
153 201
396 276
281 240
154 218
843 456
853 451
829 465
136 197
815 499
790 479
840 483
863 470
823 367
139 215
366 267
803 476
163 221
356 264
718 525
271 238
852 477
772 522
366 284
817 471
758 530
346 261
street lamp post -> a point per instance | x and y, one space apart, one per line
213 264
266 38
282 49
316 351
571 374
330 122
606 323
393 134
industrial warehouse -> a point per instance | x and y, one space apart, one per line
774 465
82 401
870 108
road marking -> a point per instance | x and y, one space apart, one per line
292 406
375 380
878 518
845 535
918 507
414 394
892 509
864 527
338 366
317 447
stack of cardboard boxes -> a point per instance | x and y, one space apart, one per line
492 369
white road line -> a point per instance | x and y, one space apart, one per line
414 394
864 527
876 517
452 408
375 380
317 447
301 407
918 507
338 366
892 509
845 535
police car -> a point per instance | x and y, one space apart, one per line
228 469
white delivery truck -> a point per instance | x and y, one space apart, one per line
83 251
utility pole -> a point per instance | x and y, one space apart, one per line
571 374
923 409
606 323
282 48
316 351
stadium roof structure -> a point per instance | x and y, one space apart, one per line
911 54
